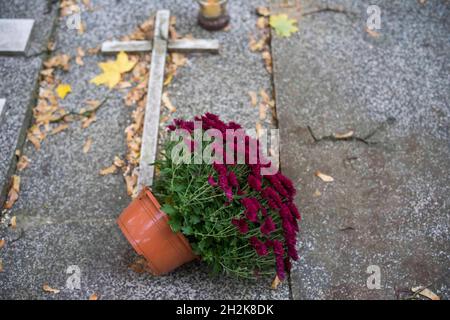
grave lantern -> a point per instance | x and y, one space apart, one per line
213 14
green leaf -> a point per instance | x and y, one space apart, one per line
187 230
175 225
168 209
283 26
194 219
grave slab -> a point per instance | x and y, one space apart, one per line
14 35
387 208
19 75
67 210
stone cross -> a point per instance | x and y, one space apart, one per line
14 35
159 49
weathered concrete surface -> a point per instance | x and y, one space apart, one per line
19 78
389 204
67 211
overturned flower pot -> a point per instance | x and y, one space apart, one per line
239 218
146 228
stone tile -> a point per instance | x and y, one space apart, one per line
388 205
44 250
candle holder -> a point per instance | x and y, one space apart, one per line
213 14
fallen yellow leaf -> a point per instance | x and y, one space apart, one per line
47 288
112 70
324 177
63 89
283 26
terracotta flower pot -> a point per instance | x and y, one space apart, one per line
146 228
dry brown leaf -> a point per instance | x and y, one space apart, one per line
131 182
51 45
262 23
139 265
317 193
179 59
87 145
1 265
82 28
167 103
93 296
124 85
346 135
164 119
263 11
79 57
267 57
425 292
119 163
253 98
2 243
13 193
60 128
168 79
275 283
88 121
258 45
262 111
109 170
372 33
22 163
265 97
34 140
47 288
13 222
93 51
324 177
58 61
258 129
47 72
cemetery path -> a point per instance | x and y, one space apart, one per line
387 212
66 211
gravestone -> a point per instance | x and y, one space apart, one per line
14 35
2 104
